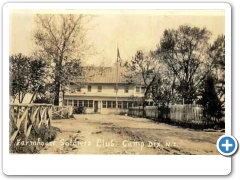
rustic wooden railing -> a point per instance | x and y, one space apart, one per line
62 112
25 117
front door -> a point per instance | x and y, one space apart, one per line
95 106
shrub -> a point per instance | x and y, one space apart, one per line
79 110
35 142
210 101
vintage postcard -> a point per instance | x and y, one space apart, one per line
117 81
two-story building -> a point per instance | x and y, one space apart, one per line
100 95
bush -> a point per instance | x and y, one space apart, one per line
210 100
43 100
79 110
35 142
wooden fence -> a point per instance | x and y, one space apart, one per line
176 113
25 117
62 112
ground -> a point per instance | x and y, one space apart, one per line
115 134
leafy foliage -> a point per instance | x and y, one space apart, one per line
210 101
36 141
162 91
183 52
217 54
27 76
61 39
144 71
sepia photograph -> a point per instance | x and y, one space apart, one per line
116 82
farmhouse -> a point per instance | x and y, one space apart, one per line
101 93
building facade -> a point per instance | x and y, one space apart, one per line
101 93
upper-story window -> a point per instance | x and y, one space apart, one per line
126 89
99 88
140 89
89 88
78 89
115 88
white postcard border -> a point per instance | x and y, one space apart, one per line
113 164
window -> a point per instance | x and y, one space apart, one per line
130 104
125 104
104 104
119 105
91 103
80 103
99 88
126 89
109 104
135 104
85 103
151 103
89 88
64 102
114 104
115 88
75 103
78 89
138 89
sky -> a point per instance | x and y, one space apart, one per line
129 30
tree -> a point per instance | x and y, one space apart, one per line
210 101
183 52
144 71
37 77
161 91
61 39
27 76
19 72
217 54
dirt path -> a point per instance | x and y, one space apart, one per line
111 134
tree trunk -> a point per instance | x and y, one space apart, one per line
57 92
57 81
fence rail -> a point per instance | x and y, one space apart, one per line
25 117
62 112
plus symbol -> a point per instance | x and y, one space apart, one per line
227 145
